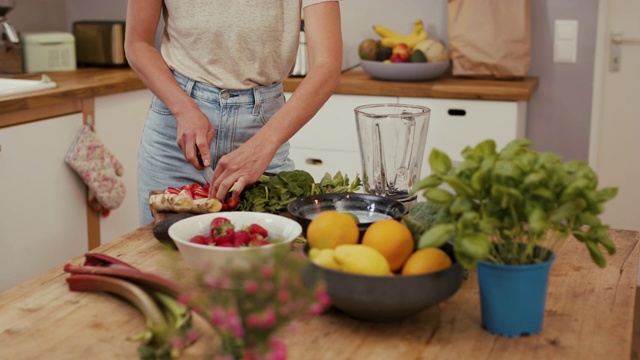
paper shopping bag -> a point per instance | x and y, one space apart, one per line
490 38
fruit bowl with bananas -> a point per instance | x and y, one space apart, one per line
398 57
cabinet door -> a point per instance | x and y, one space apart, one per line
329 142
319 162
455 124
334 126
119 120
43 217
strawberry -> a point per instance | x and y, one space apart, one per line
258 242
222 230
241 238
257 229
201 239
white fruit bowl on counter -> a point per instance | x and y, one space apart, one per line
404 71
215 258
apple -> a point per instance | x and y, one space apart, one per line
401 53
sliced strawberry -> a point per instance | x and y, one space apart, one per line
258 242
172 190
187 193
232 202
200 193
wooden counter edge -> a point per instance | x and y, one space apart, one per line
357 82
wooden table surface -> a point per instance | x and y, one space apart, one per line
589 315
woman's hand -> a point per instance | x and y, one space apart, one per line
240 168
194 137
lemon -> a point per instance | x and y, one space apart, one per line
425 261
361 259
323 257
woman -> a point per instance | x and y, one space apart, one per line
217 85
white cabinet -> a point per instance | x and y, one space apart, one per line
329 142
119 121
43 219
455 124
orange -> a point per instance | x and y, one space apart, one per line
331 228
426 260
391 238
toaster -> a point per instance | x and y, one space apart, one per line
100 43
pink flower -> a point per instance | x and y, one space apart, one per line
316 308
284 296
253 321
267 270
268 318
217 316
234 324
185 298
323 298
277 350
251 286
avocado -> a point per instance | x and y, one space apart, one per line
161 229
368 49
384 53
417 56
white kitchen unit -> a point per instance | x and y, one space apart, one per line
455 124
329 142
43 216
119 120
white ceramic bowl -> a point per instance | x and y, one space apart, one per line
214 258
404 71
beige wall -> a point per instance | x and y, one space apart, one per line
559 114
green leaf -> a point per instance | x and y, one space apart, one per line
439 196
567 210
608 244
486 148
596 254
437 236
440 162
428 182
459 186
606 194
475 246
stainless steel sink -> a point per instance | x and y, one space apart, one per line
17 86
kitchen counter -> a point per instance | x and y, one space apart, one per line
88 83
589 315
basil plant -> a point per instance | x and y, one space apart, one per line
514 206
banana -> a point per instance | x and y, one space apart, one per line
391 38
385 31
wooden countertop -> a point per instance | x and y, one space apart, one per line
589 315
358 82
83 83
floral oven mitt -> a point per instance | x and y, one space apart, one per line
97 167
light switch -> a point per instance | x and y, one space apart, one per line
565 41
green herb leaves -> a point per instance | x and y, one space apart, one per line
514 196
273 193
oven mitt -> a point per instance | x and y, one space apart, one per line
97 167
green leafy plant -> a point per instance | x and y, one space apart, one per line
514 206
272 193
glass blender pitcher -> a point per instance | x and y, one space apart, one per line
392 141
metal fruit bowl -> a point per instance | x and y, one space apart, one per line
383 299
404 71
368 208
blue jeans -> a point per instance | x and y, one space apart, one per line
236 115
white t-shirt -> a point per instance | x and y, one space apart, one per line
232 44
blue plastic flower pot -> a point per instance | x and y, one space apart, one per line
512 297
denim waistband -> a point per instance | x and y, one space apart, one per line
207 92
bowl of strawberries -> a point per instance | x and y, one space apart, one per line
220 240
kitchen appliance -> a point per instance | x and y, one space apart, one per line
10 46
392 140
100 43
48 51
